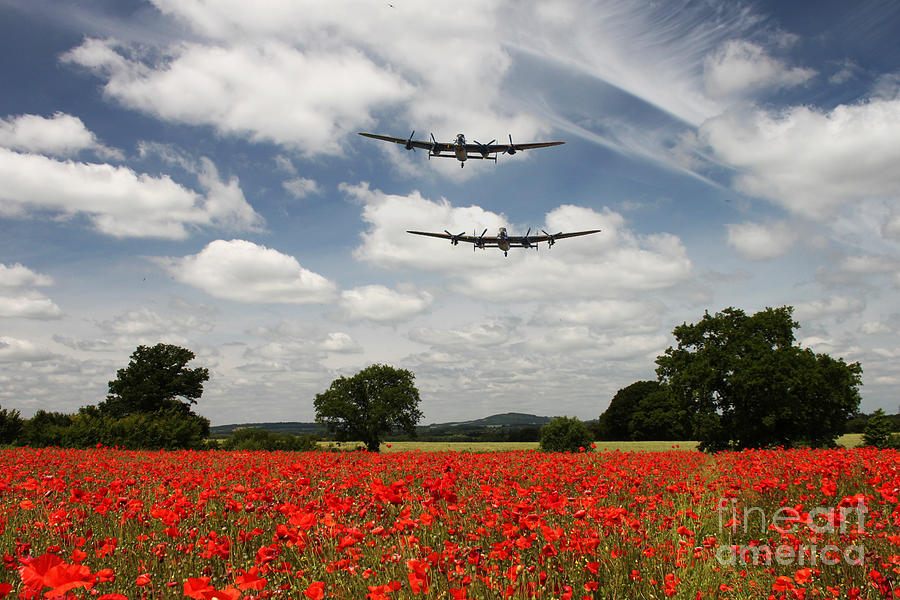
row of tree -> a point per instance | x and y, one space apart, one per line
148 406
731 381
738 381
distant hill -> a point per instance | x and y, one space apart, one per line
510 420
292 427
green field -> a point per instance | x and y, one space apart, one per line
849 440
512 446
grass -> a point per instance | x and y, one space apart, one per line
849 440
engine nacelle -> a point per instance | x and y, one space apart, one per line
512 147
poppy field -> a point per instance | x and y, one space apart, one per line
109 524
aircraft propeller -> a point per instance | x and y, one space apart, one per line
525 242
512 148
479 243
409 144
485 148
454 239
551 237
435 149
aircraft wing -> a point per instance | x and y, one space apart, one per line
573 234
442 146
472 239
519 240
490 148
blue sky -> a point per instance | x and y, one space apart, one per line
189 172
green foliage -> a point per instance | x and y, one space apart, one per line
156 379
377 400
44 429
857 424
878 430
746 385
260 439
565 434
615 424
662 416
163 430
10 425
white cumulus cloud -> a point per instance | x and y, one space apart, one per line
340 343
382 304
267 91
756 241
17 300
117 200
59 135
18 350
18 276
301 187
810 161
738 67
246 272
616 261
834 306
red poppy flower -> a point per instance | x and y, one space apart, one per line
315 590
250 580
195 587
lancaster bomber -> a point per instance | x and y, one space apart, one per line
460 150
502 240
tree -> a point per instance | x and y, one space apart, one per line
156 379
10 425
878 430
377 400
44 429
615 422
660 415
565 434
745 383
250 438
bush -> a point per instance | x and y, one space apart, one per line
164 430
44 429
565 434
260 439
10 425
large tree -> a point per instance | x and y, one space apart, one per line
377 400
660 415
615 422
746 384
157 378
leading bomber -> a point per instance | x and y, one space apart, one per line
502 240
460 150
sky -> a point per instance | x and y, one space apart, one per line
189 172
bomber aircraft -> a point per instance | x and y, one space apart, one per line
504 241
460 150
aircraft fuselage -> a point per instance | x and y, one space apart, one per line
459 148
502 241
